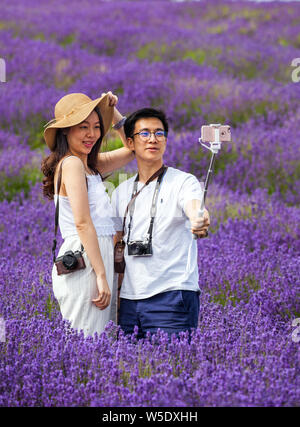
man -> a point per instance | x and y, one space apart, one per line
160 285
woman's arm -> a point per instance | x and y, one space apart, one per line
116 159
73 177
112 160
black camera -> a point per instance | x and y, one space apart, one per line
139 248
70 260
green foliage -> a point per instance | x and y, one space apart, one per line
145 370
283 42
280 179
113 142
39 36
4 25
151 51
36 137
51 306
252 15
12 186
71 38
114 179
155 52
218 29
33 129
235 292
231 210
189 107
217 13
197 55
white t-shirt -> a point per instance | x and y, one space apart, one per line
173 265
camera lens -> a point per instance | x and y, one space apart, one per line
69 260
136 248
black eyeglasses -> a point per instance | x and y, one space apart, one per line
145 135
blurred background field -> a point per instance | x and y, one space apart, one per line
201 62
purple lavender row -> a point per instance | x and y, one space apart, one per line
242 354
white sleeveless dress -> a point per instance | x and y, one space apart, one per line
75 291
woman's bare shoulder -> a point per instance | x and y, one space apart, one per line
72 162
69 165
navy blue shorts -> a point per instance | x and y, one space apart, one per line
172 312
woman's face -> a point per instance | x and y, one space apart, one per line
82 137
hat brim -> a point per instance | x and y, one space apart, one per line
79 116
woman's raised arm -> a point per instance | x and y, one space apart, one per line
116 159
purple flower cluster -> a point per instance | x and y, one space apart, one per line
226 62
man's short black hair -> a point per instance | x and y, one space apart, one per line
144 113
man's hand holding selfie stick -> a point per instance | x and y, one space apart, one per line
199 218
214 135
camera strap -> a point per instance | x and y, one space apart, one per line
131 205
58 185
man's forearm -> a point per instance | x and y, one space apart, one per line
198 224
192 208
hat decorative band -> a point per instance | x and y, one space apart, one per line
58 119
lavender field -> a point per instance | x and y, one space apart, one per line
202 62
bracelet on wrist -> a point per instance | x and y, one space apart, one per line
120 123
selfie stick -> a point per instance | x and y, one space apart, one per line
214 147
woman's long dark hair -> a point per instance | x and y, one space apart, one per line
61 148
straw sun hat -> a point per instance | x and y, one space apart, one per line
73 109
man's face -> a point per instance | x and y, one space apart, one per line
152 148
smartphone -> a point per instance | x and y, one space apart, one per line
208 133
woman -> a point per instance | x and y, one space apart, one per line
87 298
